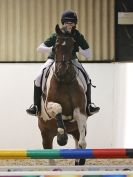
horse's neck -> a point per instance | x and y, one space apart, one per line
67 56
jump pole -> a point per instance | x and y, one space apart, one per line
66 154
60 173
67 168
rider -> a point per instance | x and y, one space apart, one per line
68 20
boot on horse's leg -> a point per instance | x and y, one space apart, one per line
36 107
91 108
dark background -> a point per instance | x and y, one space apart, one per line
124 33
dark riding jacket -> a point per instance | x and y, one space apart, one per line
78 37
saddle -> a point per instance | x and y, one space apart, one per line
79 74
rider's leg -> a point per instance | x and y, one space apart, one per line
36 107
91 108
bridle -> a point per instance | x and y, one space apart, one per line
63 44
66 64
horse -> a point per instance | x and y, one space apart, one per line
63 104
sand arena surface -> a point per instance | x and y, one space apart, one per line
40 162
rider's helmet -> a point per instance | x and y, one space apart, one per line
69 16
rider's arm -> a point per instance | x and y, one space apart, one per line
43 48
48 44
83 46
87 53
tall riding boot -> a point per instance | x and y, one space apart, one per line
91 108
36 107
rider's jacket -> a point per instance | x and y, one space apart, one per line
79 42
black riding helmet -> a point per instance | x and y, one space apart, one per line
69 16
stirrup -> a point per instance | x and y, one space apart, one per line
94 111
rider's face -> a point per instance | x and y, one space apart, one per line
69 25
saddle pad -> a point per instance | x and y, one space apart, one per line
81 78
45 75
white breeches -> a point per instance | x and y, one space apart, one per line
39 75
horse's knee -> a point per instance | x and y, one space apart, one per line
53 109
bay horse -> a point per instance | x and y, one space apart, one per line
63 104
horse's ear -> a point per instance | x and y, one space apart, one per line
58 30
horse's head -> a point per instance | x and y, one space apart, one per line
63 54
64 45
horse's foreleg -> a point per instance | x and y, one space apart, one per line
60 124
82 130
78 161
47 141
55 111
62 137
81 121
76 147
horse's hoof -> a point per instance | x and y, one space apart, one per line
80 162
62 139
76 163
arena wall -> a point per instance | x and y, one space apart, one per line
107 129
